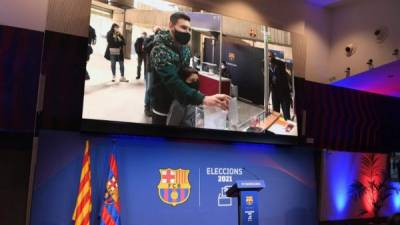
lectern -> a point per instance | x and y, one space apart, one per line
247 193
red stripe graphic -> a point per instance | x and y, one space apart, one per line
86 219
85 200
182 195
105 215
113 166
166 194
85 180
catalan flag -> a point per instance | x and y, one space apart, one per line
110 213
83 206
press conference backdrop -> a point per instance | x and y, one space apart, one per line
288 199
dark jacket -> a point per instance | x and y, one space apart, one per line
167 60
278 79
92 36
114 42
148 46
91 41
139 45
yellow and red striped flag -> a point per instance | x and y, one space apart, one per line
83 206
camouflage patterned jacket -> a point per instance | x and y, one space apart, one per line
167 59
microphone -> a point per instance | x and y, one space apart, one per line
251 173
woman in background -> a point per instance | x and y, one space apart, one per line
114 51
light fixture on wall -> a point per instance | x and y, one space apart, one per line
370 64
350 50
348 71
396 53
381 34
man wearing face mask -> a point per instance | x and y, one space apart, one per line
169 56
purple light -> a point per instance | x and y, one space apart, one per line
323 3
396 198
384 80
340 174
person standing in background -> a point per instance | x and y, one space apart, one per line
148 46
91 41
139 49
115 52
279 86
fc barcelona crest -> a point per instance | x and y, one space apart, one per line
249 200
174 186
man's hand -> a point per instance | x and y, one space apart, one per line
219 100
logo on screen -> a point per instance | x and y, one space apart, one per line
174 186
249 200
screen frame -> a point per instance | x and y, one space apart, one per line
127 128
145 129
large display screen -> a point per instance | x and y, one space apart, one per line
165 65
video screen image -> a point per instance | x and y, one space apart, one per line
166 65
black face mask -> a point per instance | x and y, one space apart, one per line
195 85
182 37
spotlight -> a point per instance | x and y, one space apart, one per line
350 50
381 34
370 64
396 52
348 71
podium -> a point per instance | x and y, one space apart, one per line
247 193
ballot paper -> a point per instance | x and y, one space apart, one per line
215 118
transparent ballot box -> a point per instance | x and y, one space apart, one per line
235 120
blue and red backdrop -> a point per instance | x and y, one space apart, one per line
289 197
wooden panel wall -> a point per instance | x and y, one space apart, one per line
63 63
69 17
148 17
299 45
